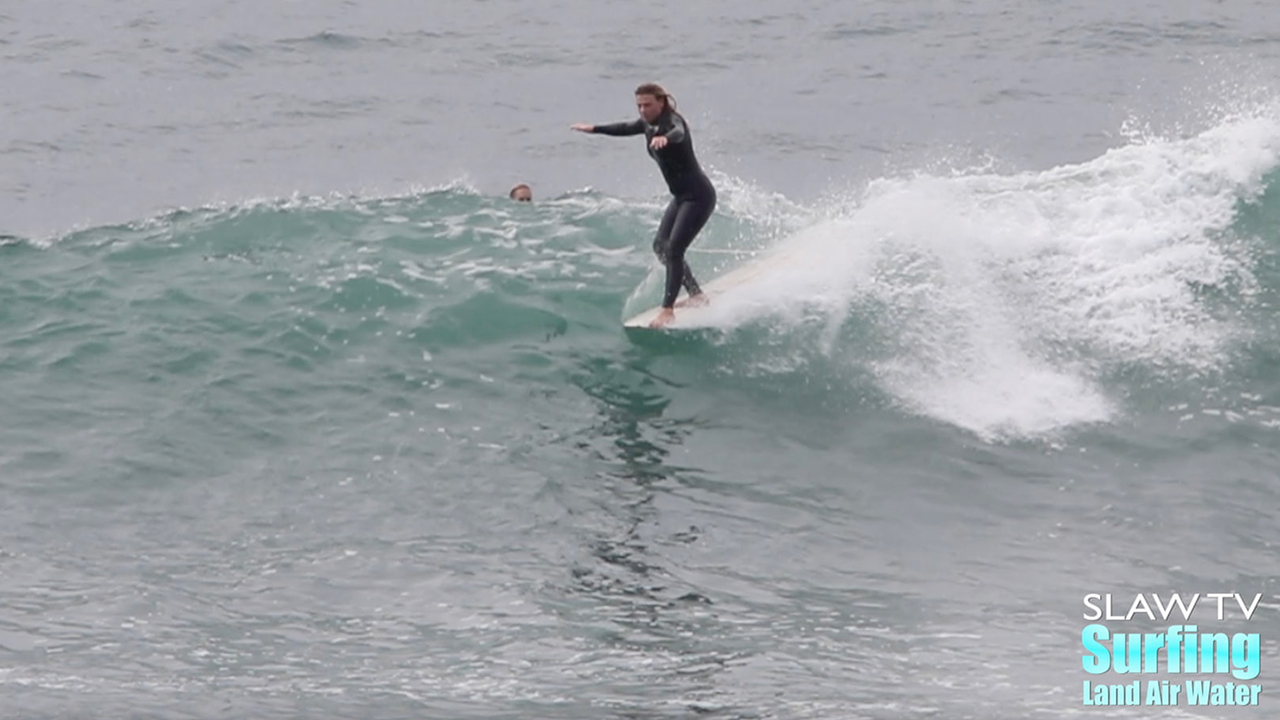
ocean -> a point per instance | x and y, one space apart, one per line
304 418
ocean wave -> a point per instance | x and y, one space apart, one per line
1010 305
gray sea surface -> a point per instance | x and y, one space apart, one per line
300 416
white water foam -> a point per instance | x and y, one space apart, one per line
1006 296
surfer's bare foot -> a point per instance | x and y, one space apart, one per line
694 300
665 315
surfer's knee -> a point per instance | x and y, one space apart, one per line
662 248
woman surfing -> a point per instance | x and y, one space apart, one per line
693 197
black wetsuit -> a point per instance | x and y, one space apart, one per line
693 196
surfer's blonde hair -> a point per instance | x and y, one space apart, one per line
656 90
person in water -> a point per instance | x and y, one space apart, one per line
692 195
521 193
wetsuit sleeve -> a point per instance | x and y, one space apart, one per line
676 132
635 127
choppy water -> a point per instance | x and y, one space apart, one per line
303 418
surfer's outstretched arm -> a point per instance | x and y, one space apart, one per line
634 127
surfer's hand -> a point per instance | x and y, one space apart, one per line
658 142
582 127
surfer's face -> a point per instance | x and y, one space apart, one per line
649 106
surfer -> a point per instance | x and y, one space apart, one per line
693 197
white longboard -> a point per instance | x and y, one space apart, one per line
705 316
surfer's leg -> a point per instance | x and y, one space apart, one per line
690 217
662 240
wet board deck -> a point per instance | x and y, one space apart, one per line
705 316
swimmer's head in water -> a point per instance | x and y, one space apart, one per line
652 100
521 193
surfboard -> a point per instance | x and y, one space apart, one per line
686 317
701 317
